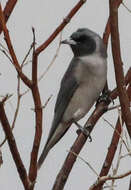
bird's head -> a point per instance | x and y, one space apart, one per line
85 42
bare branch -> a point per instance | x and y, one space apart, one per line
110 155
114 107
106 178
38 116
44 106
8 10
11 50
123 97
6 54
1 160
14 120
114 142
27 54
87 163
53 60
126 7
128 154
114 128
60 27
115 170
13 147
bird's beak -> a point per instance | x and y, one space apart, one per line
69 42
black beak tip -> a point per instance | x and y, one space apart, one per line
63 42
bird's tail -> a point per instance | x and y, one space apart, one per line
42 157
53 138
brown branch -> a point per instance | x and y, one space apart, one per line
106 35
113 146
38 134
1 160
119 74
34 62
6 53
60 27
8 10
107 30
11 50
13 147
127 81
129 91
16 111
38 117
110 155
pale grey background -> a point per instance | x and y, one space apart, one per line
45 16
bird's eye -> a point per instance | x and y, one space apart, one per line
81 39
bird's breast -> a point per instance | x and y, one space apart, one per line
91 66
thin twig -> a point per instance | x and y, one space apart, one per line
26 56
16 111
113 107
128 154
46 103
117 133
49 66
5 98
84 162
126 7
18 103
53 59
109 177
4 48
119 154
34 39
127 142
8 57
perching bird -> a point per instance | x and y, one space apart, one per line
81 85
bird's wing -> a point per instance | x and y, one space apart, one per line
67 89
68 86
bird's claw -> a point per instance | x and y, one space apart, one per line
83 130
105 97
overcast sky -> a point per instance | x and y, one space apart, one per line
45 16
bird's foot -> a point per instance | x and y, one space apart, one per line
83 130
105 97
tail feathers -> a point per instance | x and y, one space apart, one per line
53 138
42 157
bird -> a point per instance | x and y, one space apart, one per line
81 84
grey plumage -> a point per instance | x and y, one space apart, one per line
81 85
